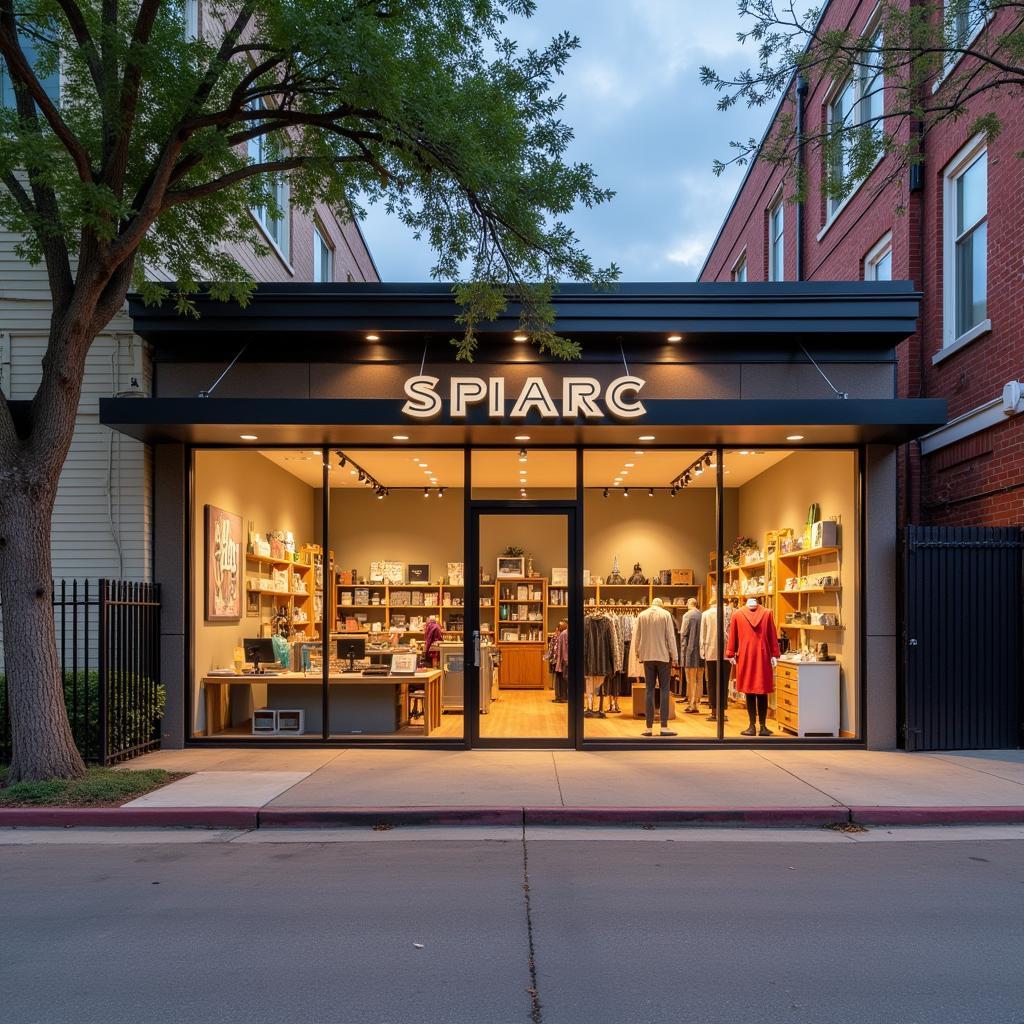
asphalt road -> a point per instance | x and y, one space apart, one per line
621 931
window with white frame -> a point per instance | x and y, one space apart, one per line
965 249
191 19
857 103
323 256
776 243
964 18
49 78
739 268
878 262
276 224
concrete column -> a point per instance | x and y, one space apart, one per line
170 523
881 565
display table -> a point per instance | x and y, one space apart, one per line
357 704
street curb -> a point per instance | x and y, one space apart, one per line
128 817
937 815
752 817
363 817
339 817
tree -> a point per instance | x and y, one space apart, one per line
161 144
932 61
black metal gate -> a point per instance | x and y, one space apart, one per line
963 641
108 642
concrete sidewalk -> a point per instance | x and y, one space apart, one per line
551 784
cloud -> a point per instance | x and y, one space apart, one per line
642 118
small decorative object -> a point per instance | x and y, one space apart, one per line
456 573
276 538
586 578
681 577
665 577
616 578
510 566
559 577
403 664
638 579
529 565
419 573
223 565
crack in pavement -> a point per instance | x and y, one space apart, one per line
536 1013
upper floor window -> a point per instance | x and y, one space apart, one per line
776 246
49 79
878 262
965 18
858 103
965 227
323 256
277 225
739 270
191 19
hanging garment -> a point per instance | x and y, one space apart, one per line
432 634
561 652
689 639
753 642
655 635
634 670
598 646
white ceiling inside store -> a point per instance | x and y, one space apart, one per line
401 467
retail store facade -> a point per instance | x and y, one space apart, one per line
346 481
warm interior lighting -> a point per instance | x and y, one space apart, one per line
646 437
519 337
373 337
675 337
248 437
522 437
399 437
794 437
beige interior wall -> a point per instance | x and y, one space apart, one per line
544 537
261 493
779 498
659 532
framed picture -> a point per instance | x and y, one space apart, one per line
559 577
510 566
456 574
403 664
223 565
418 573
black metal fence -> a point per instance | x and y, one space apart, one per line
108 643
963 641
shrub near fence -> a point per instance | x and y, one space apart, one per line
108 645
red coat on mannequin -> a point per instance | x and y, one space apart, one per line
753 642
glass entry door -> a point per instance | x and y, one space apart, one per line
519 625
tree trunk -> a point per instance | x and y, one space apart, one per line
43 745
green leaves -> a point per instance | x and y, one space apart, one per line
426 106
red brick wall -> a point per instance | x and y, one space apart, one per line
931 491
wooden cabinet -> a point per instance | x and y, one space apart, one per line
807 697
522 666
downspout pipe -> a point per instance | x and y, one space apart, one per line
801 97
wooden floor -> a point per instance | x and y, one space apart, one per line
530 714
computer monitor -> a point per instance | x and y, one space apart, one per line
352 647
257 650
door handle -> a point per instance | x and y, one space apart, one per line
476 648
911 643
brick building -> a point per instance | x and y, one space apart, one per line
953 226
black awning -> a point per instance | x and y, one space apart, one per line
373 421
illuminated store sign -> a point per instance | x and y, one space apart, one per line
581 397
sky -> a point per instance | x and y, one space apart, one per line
642 118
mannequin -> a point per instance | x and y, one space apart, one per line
753 647
561 663
655 640
689 655
709 651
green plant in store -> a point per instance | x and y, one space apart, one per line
132 139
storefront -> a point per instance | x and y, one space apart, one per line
361 541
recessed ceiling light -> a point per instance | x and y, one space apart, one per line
794 437
625 472
675 337
399 437
352 472
522 472
629 465
744 452
522 437
415 458
519 337
248 437
373 337
423 465
646 437
638 452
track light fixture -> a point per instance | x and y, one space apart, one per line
696 468
440 492
625 493
426 492
522 455
650 492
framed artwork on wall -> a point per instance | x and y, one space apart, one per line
559 577
223 565
510 566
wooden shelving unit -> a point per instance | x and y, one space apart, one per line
388 603
265 593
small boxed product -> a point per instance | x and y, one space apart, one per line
682 577
824 534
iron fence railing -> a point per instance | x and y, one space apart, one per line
108 643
